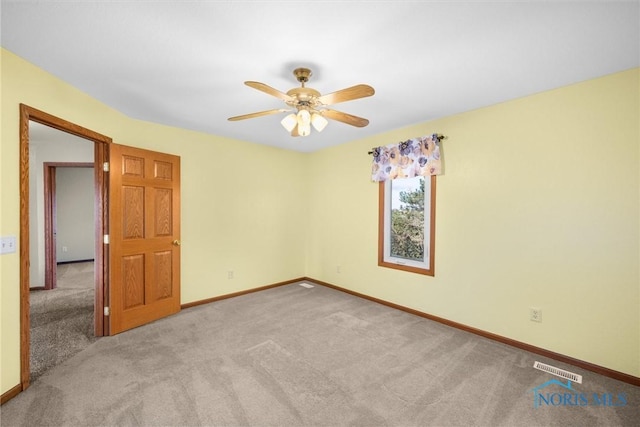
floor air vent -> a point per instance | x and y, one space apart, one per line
558 372
306 285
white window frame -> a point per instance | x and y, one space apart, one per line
385 259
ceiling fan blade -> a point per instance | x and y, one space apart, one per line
345 118
348 94
258 114
268 89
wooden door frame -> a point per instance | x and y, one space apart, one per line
50 250
101 155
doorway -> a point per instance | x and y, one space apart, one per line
28 116
137 200
69 215
62 312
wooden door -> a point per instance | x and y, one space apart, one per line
144 236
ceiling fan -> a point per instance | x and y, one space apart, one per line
310 105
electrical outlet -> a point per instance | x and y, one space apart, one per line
535 314
65 249
338 269
230 274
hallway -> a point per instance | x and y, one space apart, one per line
62 318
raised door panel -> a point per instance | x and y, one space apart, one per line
133 281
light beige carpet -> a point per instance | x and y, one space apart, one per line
62 318
295 356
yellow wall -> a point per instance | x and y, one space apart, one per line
243 204
537 207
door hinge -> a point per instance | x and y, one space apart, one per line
106 311
105 166
105 239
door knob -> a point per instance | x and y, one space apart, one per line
176 243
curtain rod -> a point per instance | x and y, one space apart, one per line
440 138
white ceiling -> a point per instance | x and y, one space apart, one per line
183 63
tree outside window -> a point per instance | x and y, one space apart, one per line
407 208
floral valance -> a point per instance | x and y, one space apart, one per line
413 157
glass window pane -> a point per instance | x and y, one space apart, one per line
407 219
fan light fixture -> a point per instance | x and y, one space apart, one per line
304 120
318 122
289 122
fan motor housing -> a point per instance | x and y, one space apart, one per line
303 96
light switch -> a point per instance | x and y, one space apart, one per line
8 244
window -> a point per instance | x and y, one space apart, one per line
406 224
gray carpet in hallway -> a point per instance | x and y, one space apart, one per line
292 356
62 318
